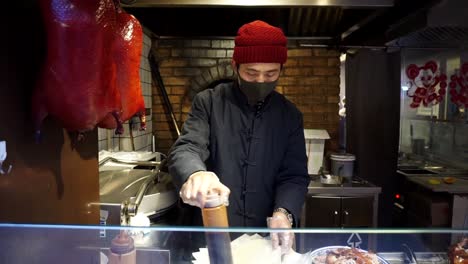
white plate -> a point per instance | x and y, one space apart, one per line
324 251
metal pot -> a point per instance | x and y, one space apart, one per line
124 193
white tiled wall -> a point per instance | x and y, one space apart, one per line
142 139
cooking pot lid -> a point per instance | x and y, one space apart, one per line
343 157
117 186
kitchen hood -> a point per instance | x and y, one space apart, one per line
442 26
415 23
283 3
319 21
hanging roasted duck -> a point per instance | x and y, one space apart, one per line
127 49
91 71
77 84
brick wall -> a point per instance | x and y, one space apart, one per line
310 79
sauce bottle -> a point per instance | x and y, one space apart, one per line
214 214
122 250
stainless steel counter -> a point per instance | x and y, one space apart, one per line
436 183
355 188
430 175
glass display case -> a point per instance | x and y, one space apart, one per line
166 244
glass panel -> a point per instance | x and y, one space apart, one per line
92 244
434 122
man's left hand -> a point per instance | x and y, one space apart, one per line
283 239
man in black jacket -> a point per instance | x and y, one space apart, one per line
245 140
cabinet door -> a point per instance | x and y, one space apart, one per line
357 211
322 211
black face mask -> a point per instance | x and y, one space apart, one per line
256 91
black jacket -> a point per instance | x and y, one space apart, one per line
258 152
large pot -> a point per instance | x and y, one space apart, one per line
342 164
119 190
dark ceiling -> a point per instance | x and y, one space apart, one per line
332 25
295 22
319 22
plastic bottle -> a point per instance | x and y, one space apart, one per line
214 214
122 250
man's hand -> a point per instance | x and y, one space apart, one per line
199 185
283 239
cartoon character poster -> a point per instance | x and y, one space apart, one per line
422 84
459 86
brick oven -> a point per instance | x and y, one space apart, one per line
310 79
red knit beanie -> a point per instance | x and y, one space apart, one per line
258 42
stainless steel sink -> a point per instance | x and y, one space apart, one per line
416 171
408 167
452 171
415 167
432 169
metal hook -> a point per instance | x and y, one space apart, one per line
3 156
3 171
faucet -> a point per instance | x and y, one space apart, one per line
410 254
431 135
454 134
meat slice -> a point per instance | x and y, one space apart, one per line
77 84
127 49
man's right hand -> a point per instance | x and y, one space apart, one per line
199 185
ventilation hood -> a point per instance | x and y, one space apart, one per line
320 20
444 25
247 3
416 23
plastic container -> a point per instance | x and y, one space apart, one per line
342 165
218 243
315 141
122 250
